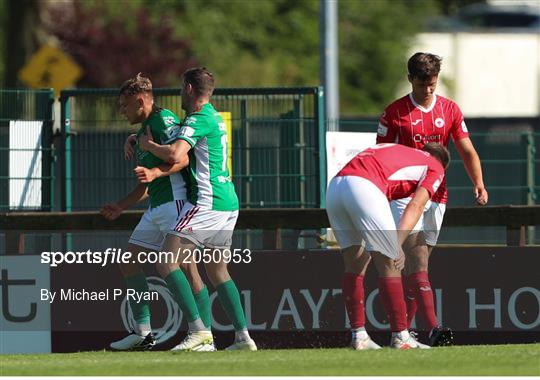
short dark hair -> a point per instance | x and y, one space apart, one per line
201 79
439 152
137 85
424 65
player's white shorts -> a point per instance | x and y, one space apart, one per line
358 211
430 221
155 223
205 227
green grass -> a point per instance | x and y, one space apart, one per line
523 359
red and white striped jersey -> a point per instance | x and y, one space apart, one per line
396 170
406 122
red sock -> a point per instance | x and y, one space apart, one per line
391 292
410 299
424 296
353 294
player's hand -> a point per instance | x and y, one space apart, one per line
480 195
145 175
111 211
128 147
144 140
399 263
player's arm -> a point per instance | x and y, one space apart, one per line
164 152
412 213
129 152
145 175
111 211
468 154
386 131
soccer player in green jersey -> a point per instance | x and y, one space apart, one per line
209 217
167 195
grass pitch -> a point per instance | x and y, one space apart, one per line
523 359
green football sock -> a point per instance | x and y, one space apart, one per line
230 300
140 310
179 287
203 304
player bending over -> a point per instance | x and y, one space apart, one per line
357 203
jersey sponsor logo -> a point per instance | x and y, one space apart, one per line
382 130
416 122
439 122
187 131
430 138
464 127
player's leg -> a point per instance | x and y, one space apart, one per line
177 282
168 217
398 207
355 260
223 224
418 253
200 292
433 218
145 237
417 283
373 218
391 293
229 298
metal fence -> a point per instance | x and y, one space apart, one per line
26 155
278 145
508 149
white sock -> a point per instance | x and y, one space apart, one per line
241 336
142 329
197 325
359 333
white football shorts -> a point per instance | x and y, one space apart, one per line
359 211
205 227
430 221
155 223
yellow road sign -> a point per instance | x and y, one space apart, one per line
50 67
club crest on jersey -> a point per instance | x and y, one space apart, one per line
439 122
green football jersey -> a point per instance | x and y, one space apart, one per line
163 124
210 184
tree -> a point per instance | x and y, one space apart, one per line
254 43
22 29
113 41
375 38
